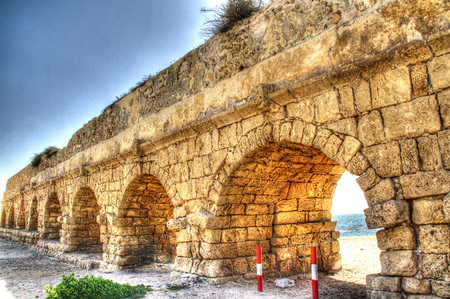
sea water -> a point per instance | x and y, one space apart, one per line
353 225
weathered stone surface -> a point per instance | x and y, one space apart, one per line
441 288
439 71
368 179
410 156
429 211
397 238
435 266
348 149
326 107
390 88
303 110
411 119
387 214
382 192
419 78
439 42
358 164
385 159
446 206
382 294
444 104
215 268
370 128
444 146
383 283
347 102
424 184
345 126
429 152
398 263
413 285
434 238
363 99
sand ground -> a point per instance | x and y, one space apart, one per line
24 272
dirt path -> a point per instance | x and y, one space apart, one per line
25 272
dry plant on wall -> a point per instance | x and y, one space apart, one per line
48 152
226 15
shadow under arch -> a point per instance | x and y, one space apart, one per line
10 221
138 231
279 196
3 216
52 210
81 229
33 215
21 219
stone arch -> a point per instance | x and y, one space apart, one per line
3 216
80 228
279 197
52 210
21 217
138 230
33 215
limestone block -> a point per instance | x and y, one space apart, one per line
383 283
297 131
289 217
257 209
332 146
444 145
363 98
264 220
218 251
429 152
436 266
321 138
385 159
345 126
429 211
204 219
434 238
248 248
234 235
410 156
184 250
358 164
423 184
285 253
259 233
412 119
398 263
362 5
309 133
387 214
333 262
211 235
397 238
390 88
326 107
413 285
446 206
441 288
444 104
183 264
315 216
242 221
347 107
368 179
382 294
439 70
303 110
252 123
240 265
348 149
419 78
439 42
382 192
286 205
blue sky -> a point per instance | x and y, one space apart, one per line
63 61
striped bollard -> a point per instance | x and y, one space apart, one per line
314 274
259 268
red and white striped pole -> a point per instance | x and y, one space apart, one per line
259 268
314 274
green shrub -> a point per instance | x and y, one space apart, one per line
177 287
90 287
48 152
226 15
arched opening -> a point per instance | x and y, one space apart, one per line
10 222
3 217
84 230
279 197
21 215
52 212
33 215
139 234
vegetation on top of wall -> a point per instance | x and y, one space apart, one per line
91 287
48 152
226 15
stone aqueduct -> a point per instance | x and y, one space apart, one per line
242 141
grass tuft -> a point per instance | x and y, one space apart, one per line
48 152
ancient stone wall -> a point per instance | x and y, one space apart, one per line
201 173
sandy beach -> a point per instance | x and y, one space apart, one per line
24 272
